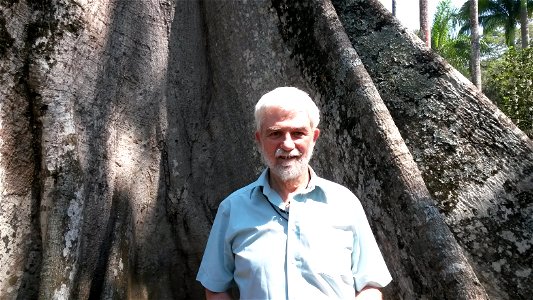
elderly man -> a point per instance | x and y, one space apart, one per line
291 234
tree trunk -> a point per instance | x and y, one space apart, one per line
425 29
476 164
475 58
524 24
510 34
125 123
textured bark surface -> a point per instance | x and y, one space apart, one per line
20 246
123 124
476 164
374 160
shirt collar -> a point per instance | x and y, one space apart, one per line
313 180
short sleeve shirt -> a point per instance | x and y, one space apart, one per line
323 249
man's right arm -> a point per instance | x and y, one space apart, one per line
209 295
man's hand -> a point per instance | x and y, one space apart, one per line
369 293
209 295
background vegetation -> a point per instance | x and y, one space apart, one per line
507 67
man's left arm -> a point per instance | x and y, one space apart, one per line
369 293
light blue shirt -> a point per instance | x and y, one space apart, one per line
324 250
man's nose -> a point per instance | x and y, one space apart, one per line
288 143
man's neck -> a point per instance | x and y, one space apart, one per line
286 188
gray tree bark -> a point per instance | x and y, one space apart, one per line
123 124
474 161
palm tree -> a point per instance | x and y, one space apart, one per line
442 25
475 60
524 26
456 47
495 14
425 32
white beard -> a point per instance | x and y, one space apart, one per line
292 169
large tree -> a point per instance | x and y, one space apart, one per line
125 123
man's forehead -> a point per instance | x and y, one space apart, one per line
293 120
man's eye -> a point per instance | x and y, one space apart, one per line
275 134
298 134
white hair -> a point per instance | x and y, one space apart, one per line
287 98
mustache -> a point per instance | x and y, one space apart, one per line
287 154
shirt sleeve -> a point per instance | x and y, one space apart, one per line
217 266
368 265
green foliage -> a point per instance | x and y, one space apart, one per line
495 15
509 80
457 52
440 31
453 43
455 49
507 74
493 44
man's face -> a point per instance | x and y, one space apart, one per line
286 141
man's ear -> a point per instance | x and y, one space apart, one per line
316 133
257 137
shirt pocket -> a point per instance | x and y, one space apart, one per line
328 249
